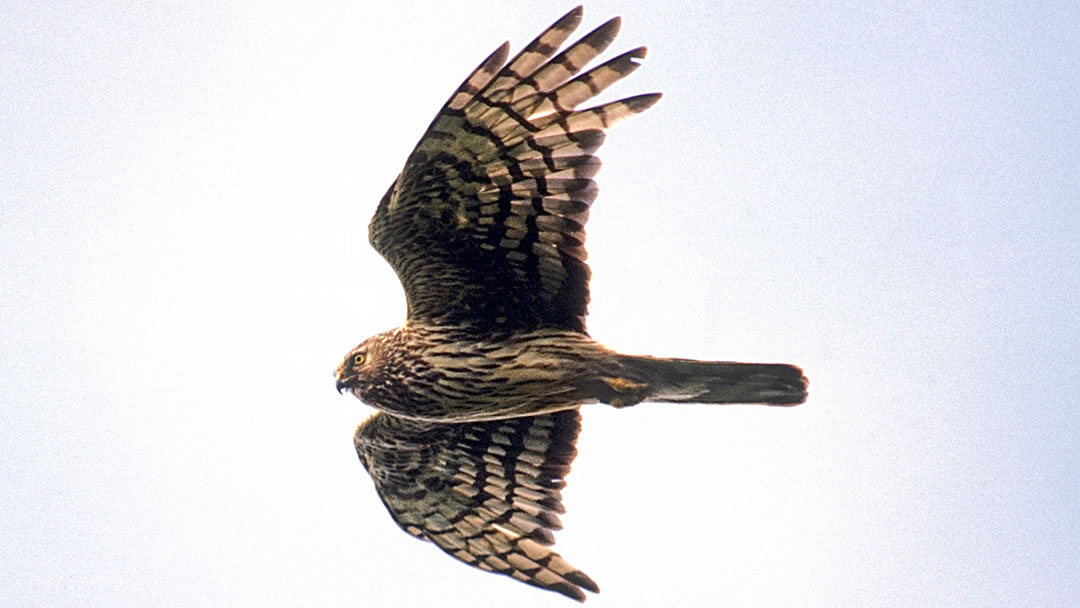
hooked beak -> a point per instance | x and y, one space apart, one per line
344 380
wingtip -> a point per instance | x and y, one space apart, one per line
575 585
501 53
611 27
573 15
582 580
640 103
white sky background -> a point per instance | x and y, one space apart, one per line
887 197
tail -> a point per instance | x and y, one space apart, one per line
689 381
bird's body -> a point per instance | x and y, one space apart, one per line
478 392
455 374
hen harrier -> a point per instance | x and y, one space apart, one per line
478 392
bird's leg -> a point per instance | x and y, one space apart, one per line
622 392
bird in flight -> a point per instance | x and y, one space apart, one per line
478 392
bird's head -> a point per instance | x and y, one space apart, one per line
361 365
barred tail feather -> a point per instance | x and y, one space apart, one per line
690 381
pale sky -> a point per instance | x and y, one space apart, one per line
887 197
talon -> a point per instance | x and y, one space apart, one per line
626 392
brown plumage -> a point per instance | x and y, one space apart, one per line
478 392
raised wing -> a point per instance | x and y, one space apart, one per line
485 224
486 493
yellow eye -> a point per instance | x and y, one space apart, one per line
359 359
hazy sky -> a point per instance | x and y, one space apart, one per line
887 197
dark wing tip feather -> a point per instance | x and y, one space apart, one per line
602 37
582 580
631 60
640 103
573 14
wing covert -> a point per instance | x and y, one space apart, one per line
486 493
485 224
